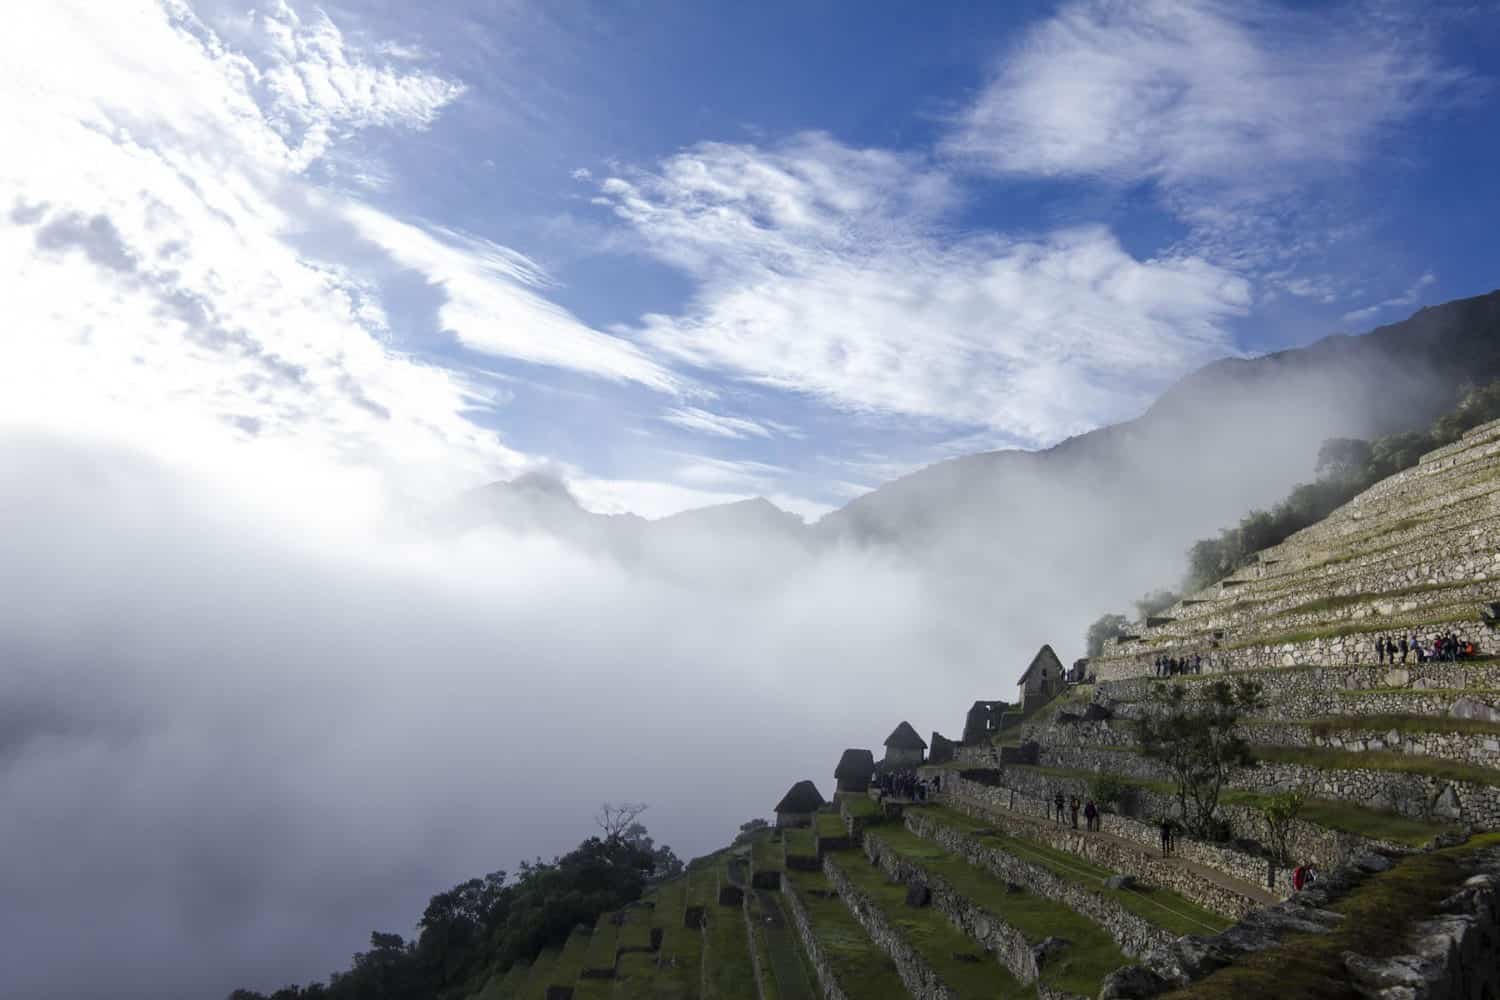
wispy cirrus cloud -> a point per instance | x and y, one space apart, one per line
828 271
695 418
491 302
1410 297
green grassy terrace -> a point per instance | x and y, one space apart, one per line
768 855
860 808
949 952
1379 760
830 825
1330 725
680 957
803 843
541 972
1330 813
600 955
786 973
1379 911
570 960
635 978
1162 907
862 969
729 973
1091 954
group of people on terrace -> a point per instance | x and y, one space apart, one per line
1173 666
1092 814
1447 646
906 785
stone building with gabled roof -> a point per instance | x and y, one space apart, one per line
798 805
852 776
904 748
1042 681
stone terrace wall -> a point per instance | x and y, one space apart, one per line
990 930
1030 793
1135 859
1470 748
827 981
1135 936
1417 796
990 804
919 978
1280 683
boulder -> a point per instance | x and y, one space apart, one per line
918 895
1395 678
1469 708
1133 982
1119 882
1446 804
1043 950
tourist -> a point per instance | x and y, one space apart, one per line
1166 836
1073 806
1090 816
1380 649
1197 663
1057 803
1403 646
1418 650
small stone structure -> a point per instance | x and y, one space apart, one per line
852 775
798 805
904 748
1042 681
983 721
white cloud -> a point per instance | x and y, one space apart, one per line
152 223
825 270
146 224
1411 296
489 304
313 85
1204 93
695 418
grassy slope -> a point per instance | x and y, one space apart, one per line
946 949
1091 954
1162 907
1329 813
730 974
1311 965
864 971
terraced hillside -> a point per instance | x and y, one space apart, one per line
961 879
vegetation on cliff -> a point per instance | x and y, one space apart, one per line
486 925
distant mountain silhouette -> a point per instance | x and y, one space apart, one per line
1044 541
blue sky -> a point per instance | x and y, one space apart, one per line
684 253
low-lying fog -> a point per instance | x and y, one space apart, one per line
251 715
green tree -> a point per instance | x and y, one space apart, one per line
1280 812
1105 628
1199 742
1107 790
1343 458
